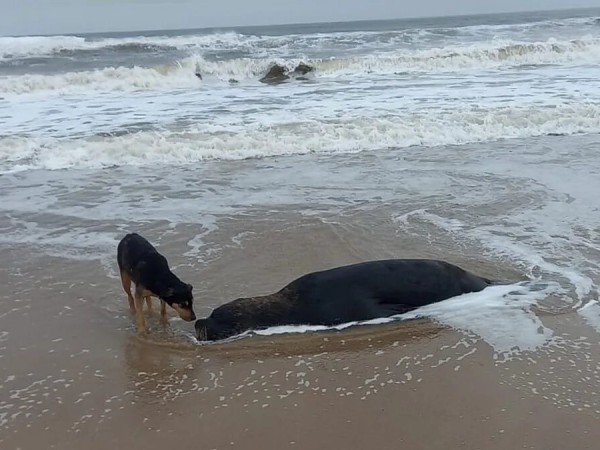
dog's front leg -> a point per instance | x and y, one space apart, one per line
163 310
126 282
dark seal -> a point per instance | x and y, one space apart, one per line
357 292
276 74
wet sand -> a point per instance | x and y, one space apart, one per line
74 374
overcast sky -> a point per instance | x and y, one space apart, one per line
77 16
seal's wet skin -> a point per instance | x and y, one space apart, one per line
351 293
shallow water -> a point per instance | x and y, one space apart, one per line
522 209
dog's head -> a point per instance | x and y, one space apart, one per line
182 301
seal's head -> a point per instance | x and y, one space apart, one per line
211 330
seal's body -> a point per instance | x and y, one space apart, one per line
357 292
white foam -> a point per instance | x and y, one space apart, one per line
209 142
78 243
501 315
13 47
284 329
31 46
502 241
110 78
481 55
591 313
457 57
473 56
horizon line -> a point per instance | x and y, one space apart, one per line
290 24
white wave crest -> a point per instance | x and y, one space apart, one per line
178 75
204 142
19 47
109 79
434 60
39 46
32 46
476 56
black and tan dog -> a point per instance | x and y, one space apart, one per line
141 263
357 292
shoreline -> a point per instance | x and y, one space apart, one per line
78 370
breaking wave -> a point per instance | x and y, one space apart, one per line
208 142
180 74
39 46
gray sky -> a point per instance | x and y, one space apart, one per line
76 16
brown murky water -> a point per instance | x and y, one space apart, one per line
75 375
504 372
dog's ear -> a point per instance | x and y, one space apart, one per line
190 287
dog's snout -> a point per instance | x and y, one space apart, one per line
193 316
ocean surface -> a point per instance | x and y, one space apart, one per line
470 139
132 99
477 136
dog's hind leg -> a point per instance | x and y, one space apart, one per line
126 282
149 302
139 309
163 310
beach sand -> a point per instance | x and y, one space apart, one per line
74 374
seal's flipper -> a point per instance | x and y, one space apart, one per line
499 282
391 307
